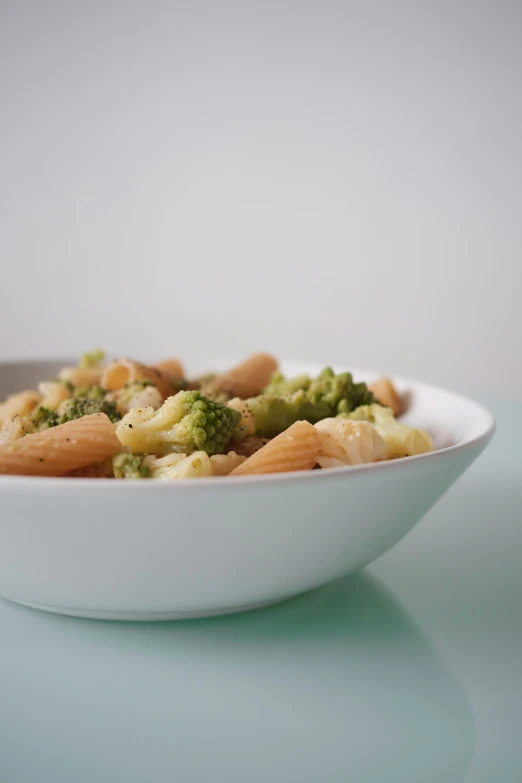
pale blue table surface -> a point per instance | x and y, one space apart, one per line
409 671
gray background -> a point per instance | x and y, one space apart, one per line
328 180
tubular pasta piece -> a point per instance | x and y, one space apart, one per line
19 404
387 395
124 371
118 374
351 442
171 369
82 376
61 449
249 378
297 448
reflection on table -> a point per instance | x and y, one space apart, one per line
337 685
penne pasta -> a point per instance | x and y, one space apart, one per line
387 395
124 371
20 404
297 448
60 449
118 374
82 376
171 369
248 378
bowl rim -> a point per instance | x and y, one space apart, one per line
486 418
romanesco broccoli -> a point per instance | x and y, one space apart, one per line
186 422
339 392
279 385
313 400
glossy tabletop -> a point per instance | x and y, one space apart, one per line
409 671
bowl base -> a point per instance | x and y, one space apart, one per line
143 616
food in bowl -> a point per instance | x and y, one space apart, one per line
139 550
127 420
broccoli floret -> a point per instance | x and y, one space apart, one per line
320 398
92 359
199 423
93 392
87 400
280 386
186 422
339 392
43 419
130 466
272 415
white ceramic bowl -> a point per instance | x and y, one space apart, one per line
149 550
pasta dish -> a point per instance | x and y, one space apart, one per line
127 420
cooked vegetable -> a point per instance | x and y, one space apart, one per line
401 441
87 400
185 423
348 442
92 359
130 466
324 397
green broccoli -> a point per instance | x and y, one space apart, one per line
316 399
279 385
43 418
201 424
93 392
271 415
130 466
189 422
339 392
92 359
86 404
